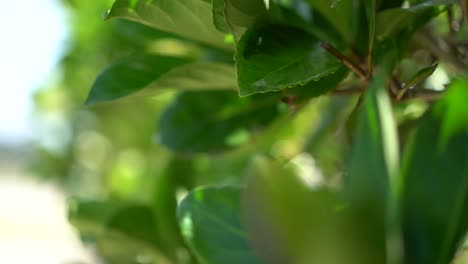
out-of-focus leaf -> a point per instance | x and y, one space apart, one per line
190 19
392 21
89 216
147 74
196 76
386 4
131 234
243 14
374 157
291 222
421 75
177 175
211 223
340 13
435 175
276 57
219 20
130 75
121 232
211 121
370 180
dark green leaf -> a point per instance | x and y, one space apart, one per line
374 162
342 14
211 224
207 121
243 14
392 21
121 232
435 174
277 57
421 75
190 19
320 87
89 216
386 4
374 158
146 75
130 75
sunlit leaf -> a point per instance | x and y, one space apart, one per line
146 74
190 19
210 219
277 57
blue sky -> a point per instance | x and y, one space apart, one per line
33 34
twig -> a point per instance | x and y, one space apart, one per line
350 91
345 60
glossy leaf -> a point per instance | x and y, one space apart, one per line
320 87
190 19
207 121
212 226
435 175
276 57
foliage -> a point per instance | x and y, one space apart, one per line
284 121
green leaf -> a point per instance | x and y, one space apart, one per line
421 75
196 76
177 175
121 232
243 14
435 175
132 233
219 20
371 9
190 19
207 121
386 4
89 216
289 221
370 180
147 75
211 224
374 158
130 75
392 21
276 57
320 87
341 14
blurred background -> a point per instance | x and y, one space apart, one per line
59 157
33 225
56 154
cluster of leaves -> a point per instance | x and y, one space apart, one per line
244 71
